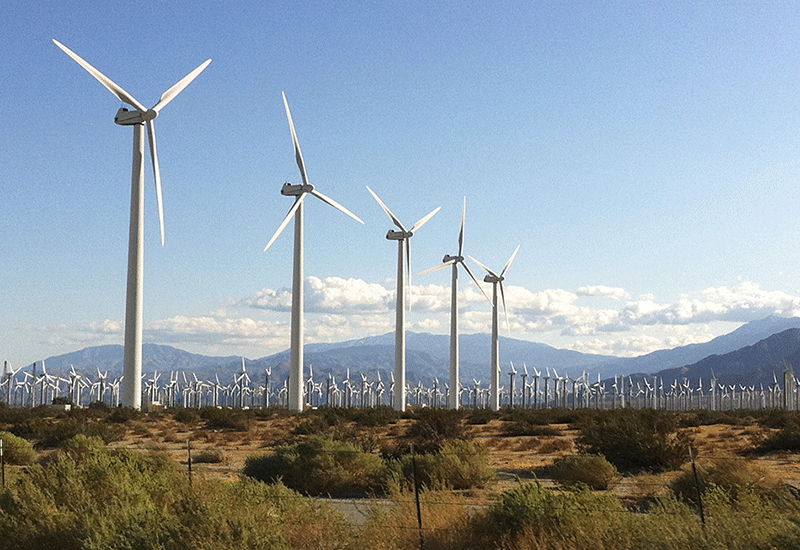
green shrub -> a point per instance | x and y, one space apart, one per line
635 440
236 420
48 432
732 475
117 500
81 446
458 465
17 450
208 456
432 428
186 415
121 415
787 438
481 416
320 465
593 471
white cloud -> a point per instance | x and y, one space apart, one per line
340 309
601 290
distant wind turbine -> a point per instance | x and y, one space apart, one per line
134 302
300 192
403 238
496 280
454 261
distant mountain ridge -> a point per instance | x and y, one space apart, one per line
427 356
746 335
760 363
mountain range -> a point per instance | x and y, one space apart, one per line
749 354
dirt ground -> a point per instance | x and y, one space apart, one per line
515 459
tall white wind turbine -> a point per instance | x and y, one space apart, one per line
403 238
496 280
448 260
138 118
300 192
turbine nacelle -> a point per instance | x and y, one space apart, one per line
393 235
293 190
126 117
493 279
452 259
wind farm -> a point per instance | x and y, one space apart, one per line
631 176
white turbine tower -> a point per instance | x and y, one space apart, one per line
134 303
454 261
496 280
403 238
300 192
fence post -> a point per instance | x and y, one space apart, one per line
416 496
189 454
697 488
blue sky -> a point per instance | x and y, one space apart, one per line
644 156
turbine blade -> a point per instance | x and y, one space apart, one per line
173 92
110 85
391 215
503 297
483 266
508 263
151 133
286 220
297 153
425 219
437 267
476 281
327 199
461 233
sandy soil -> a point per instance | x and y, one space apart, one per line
515 459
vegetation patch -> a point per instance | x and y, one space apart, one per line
594 471
17 450
635 440
320 465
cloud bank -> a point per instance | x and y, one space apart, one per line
340 309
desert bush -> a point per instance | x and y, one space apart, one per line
81 446
208 456
432 428
732 475
117 500
458 465
48 432
236 420
635 440
16 415
480 416
787 438
593 471
554 446
17 450
320 465
121 415
534 507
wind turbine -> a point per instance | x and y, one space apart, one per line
138 118
449 260
496 280
300 192
403 238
